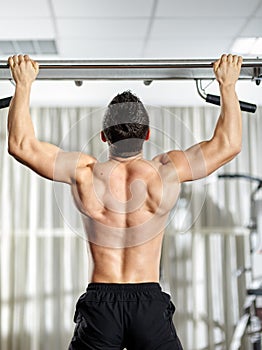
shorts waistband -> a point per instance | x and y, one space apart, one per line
124 286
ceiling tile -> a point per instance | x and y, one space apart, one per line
16 29
103 8
79 48
259 11
186 48
102 28
206 8
195 28
253 28
24 9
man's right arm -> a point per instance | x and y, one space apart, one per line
205 157
46 159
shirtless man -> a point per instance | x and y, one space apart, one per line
125 203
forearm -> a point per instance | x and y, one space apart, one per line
20 126
229 125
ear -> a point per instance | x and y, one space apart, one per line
147 135
102 135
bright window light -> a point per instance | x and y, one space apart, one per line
257 48
247 46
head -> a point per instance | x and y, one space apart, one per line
125 125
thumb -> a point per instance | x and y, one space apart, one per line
216 65
10 62
35 65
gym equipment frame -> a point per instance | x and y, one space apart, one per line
146 70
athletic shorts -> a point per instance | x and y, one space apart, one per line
118 316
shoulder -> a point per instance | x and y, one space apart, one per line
171 163
84 168
85 160
168 158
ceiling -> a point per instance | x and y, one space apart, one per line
101 29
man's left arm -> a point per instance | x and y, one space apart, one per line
44 158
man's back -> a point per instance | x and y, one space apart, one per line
125 204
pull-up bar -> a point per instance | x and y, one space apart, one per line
153 69
146 70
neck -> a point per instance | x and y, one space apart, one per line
126 156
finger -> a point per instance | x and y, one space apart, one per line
240 60
26 58
15 59
235 59
20 58
10 61
230 58
224 58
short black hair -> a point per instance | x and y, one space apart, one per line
125 124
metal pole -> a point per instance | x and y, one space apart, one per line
153 69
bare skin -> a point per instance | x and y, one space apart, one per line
125 202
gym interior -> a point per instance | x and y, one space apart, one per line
163 51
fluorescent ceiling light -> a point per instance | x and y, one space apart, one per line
247 46
36 47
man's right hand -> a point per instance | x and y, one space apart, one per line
24 70
227 69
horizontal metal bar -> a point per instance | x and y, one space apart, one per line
153 69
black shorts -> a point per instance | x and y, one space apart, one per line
118 316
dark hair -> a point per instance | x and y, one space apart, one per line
125 124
